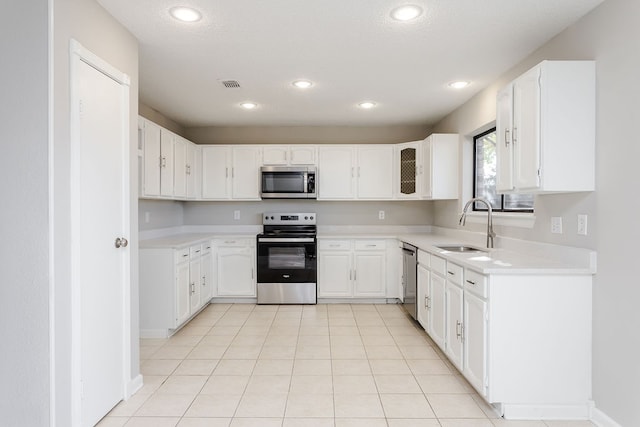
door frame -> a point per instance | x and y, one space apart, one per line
79 54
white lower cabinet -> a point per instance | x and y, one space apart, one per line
500 332
352 268
172 287
235 265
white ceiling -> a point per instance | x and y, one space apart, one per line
351 49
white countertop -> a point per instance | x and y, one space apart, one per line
511 256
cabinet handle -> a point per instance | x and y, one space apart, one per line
185 255
426 302
506 137
252 274
233 172
163 162
188 169
372 246
352 172
334 246
226 172
458 330
354 275
229 241
193 288
350 274
204 280
450 272
470 282
513 137
358 171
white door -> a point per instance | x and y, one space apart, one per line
215 173
167 140
475 341
152 158
454 335
245 172
504 145
236 272
100 265
180 161
423 296
526 134
334 274
336 166
369 274
437 313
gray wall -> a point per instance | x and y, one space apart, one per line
95 29
611 36
161 213
306 134
24 171
329 213
158 118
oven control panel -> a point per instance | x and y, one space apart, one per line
277 218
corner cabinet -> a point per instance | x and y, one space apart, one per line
545 127
428 169
175 284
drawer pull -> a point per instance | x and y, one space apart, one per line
185 255
451 273
372 246
229 241
470 282
334 246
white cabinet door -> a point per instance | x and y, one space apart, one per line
526 130
150 133
437 313
302 155
438 173
207 276
504 144
180 168
370 274
195 284
216 172
475 341
409 159
183 293
334 274
194 171
336 169
275 155
422 296
167 140
375 172
453 347
245 173
236 272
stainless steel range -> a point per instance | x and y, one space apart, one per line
287 265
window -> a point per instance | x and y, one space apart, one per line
484 177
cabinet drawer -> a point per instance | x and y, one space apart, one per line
195 251
182 255
233 242
424 258
334 244
438 265
454 273
370 245
475 283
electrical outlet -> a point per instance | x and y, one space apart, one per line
147 217
380 214
582 224
556 224
236 215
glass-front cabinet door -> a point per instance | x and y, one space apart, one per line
408 172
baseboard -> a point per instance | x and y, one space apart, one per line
546 412
133 386
601 419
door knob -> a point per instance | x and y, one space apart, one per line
121 242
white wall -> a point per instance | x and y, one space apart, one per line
611 36
24 215
95 29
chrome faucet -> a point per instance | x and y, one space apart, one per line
490 233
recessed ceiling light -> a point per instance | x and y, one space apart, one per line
406 12
249 105
302 84
367 105
185 14
459 84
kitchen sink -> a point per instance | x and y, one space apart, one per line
460 248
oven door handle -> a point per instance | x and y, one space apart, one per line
286 240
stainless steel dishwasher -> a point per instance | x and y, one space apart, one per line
409 277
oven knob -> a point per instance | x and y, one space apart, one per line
271 218
306 217
266 217
310 217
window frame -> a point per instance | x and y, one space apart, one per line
483 208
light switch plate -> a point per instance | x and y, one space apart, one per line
556 224
236 215
380 214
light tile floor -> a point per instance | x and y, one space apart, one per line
338 365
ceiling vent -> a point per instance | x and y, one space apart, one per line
230 84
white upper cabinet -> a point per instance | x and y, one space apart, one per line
194 172
355 172
545 126
375 172
167 141
230 172
180 167
216 172
336 170
293 155
439 171
245 172
409 162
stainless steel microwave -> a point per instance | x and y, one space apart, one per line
288 182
